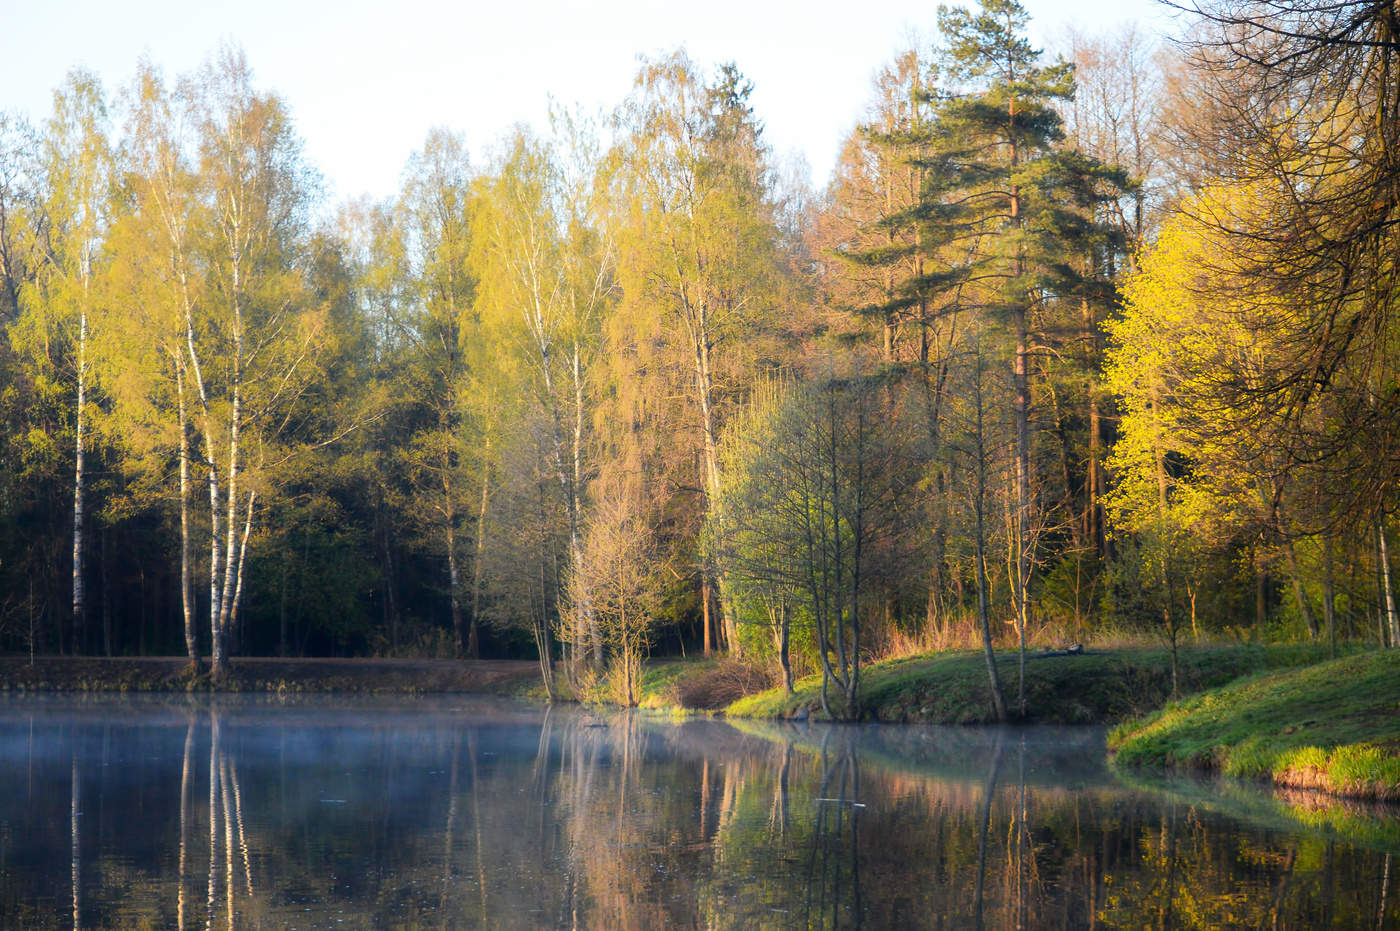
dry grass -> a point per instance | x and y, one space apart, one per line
962 632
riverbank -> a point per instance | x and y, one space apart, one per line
266 674
1333 726
1092 687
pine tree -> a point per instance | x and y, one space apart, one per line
1006 211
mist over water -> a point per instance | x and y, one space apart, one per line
470 812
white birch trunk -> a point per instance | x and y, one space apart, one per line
186 567
242 558
454 580
474 633
704 385
225 608
1021 380
1392 620
207 431
79 594
216 633
567 483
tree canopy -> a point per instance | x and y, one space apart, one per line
1067 344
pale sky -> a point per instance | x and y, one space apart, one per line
365 82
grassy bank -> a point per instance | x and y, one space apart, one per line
246 674
1333 726
1096 687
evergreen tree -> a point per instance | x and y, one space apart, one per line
1008 212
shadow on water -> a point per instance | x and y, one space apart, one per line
476 813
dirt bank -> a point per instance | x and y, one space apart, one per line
253 674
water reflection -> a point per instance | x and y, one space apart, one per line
481 814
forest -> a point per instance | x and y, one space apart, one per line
1081 347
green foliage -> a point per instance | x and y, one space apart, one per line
553 398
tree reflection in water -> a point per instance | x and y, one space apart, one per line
475 814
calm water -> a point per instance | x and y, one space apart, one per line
467 813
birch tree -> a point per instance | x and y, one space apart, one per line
77 171
435 217
698 261
253 348
155 296
35 403
548 279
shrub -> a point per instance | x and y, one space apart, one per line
722 685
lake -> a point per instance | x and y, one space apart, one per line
461 812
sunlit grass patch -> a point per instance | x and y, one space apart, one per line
1334 727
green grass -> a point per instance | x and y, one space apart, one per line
1100 686
1333 726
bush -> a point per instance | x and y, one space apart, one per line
722 685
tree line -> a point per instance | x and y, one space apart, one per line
1098 343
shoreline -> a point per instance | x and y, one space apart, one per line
282 675
1331 727
1291 736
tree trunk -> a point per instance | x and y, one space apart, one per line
454 601
186 560
704 390
231 561
106 580
216 634
238 571
706 621
216 646
1392 620
984 623
1021 588
79 487
784 643
1299 593
983 613
474 632
1093 511
1329 601
568 476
